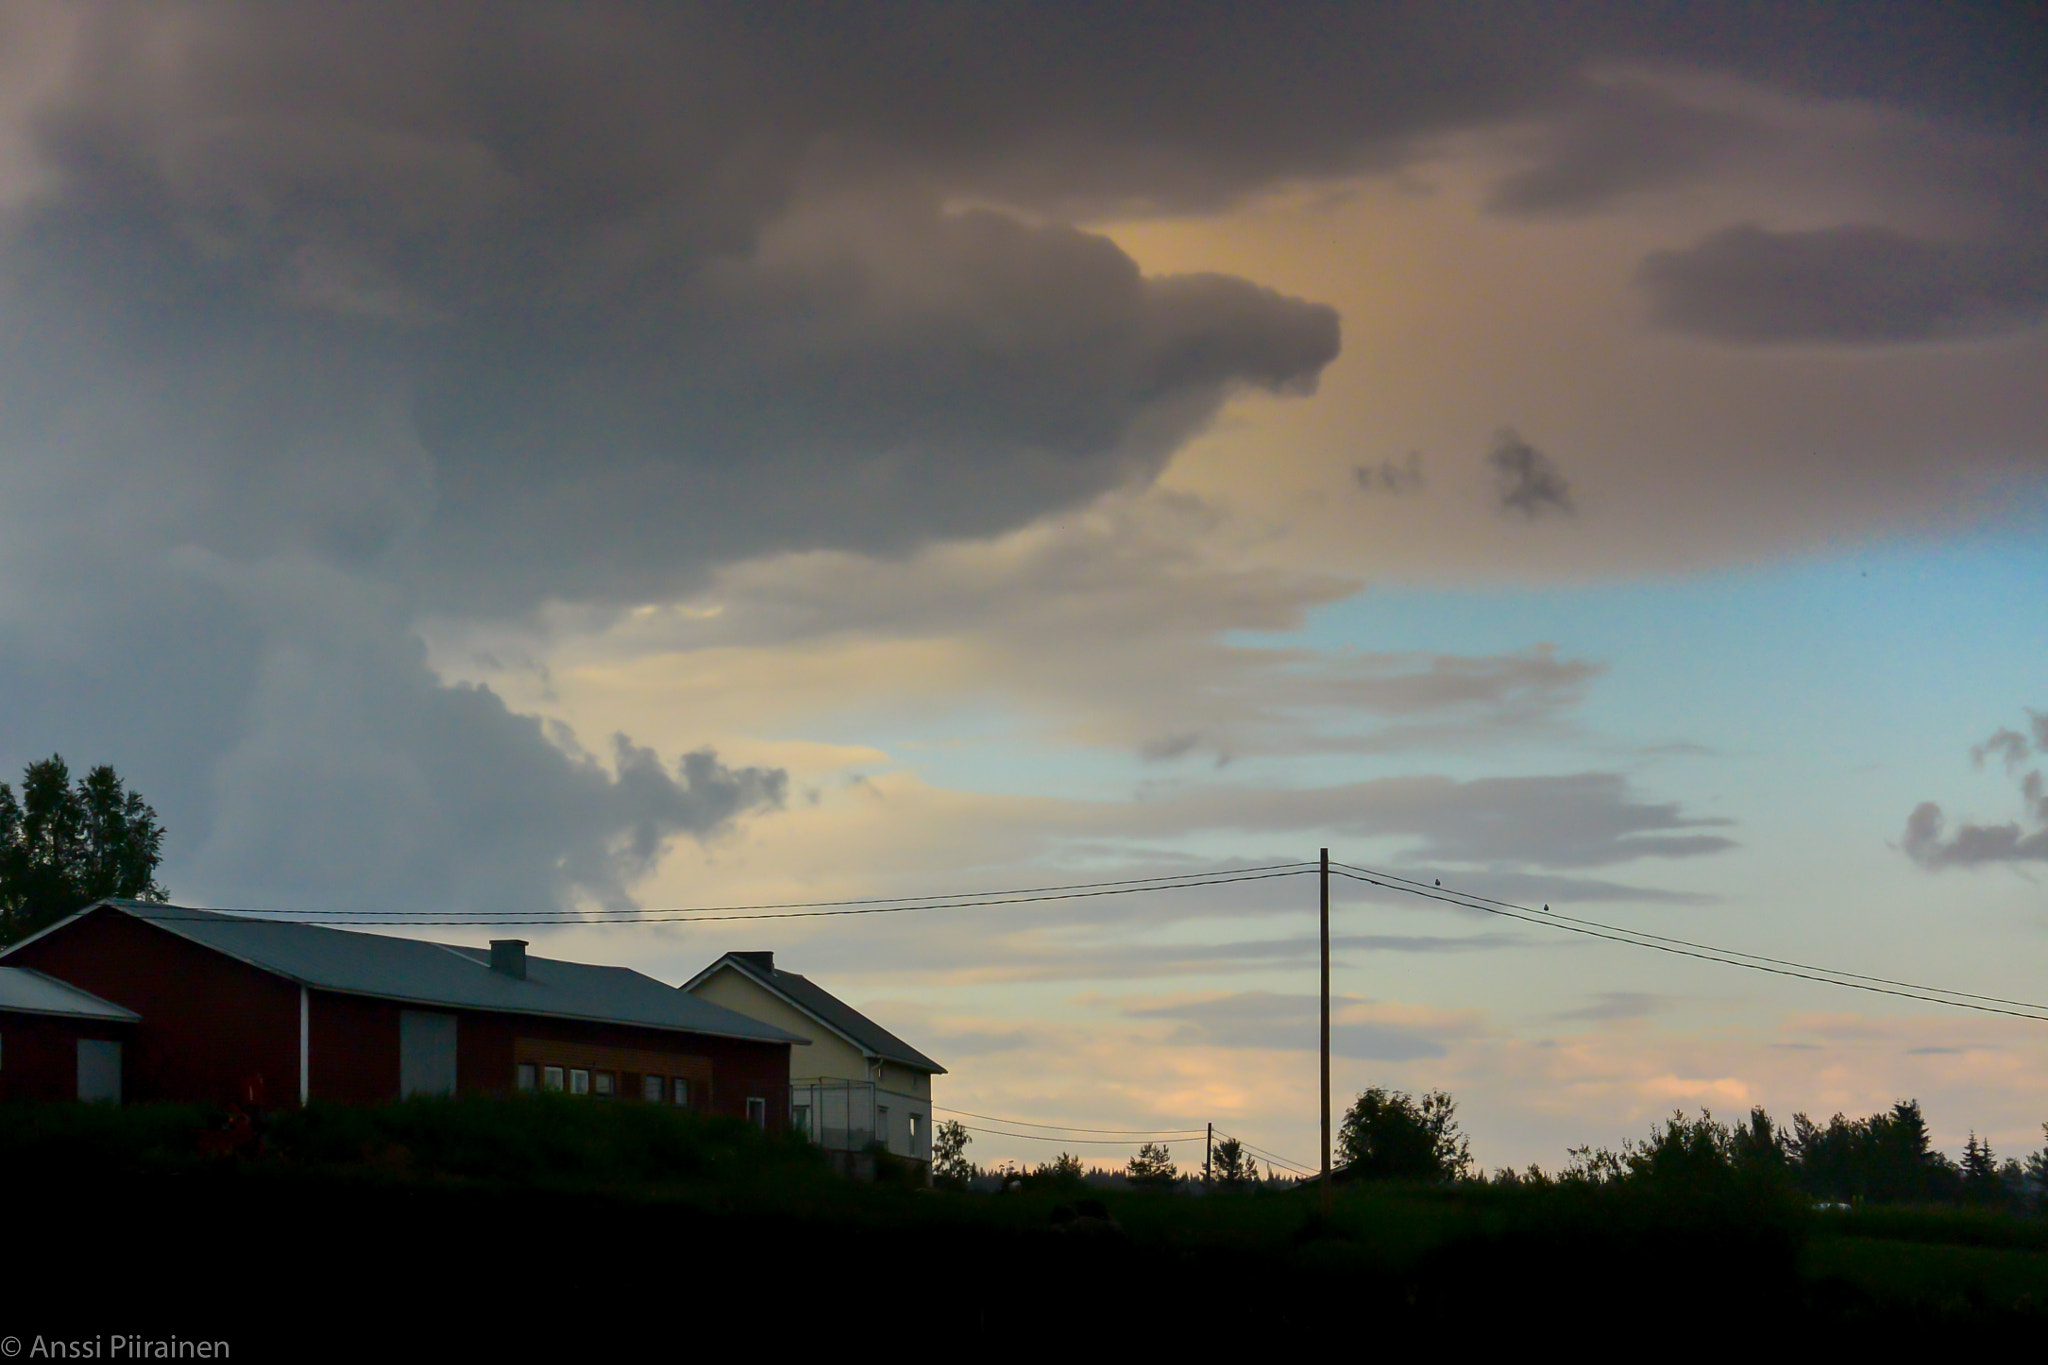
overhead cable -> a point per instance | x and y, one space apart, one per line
1068 1128
713 914
1615 934
1412 884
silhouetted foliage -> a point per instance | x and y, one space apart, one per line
1153 1165
1231 1165
1388 1135
950 1167
1695 1158
1982 1182
65 845
1064 1171
1886 1158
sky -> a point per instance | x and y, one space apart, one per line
541 459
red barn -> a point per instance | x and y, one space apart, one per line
57 1042
217 1001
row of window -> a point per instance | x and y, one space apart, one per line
578 1080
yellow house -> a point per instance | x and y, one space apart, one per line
863 1086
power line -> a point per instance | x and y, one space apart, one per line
1077 1142
907 901
1707 947
1068 1128
1725 957
1264 1155
485 919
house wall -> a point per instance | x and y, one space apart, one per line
209 1023
39 1054
902 1089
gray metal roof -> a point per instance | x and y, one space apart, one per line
827 1008
414 971
28 992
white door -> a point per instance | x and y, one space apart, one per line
426 1053
99 1070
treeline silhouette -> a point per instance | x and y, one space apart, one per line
1885 1158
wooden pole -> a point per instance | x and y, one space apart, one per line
1208 1154
1326 1191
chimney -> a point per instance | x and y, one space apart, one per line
508 955
760 961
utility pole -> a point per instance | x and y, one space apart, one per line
1326 1033
1208 1154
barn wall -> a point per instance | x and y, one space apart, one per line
39 1054
209 1023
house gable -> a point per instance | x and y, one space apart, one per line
830 1054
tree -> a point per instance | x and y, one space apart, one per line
950 1165
1153 1165
1982 1182
1064 1169
1232 1165
1388 1135
1886 1158
64 845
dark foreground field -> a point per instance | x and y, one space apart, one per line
520 1230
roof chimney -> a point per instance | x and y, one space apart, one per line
508 955
762 961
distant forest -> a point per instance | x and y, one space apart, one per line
1885 1158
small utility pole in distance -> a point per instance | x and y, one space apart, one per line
1208 1154
1326 1033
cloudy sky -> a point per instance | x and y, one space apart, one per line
538 458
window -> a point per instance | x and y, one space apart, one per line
800 1118
426 1053
682 1092
757 1111
551 1078
527 1079
650 1089
607 1082
99 1070
916 1137
579 1081
882 1124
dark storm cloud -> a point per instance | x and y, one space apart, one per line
1619 139
652 287
1525 480
322 316
1928 842
1852 284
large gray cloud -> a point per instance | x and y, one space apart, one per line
319 317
